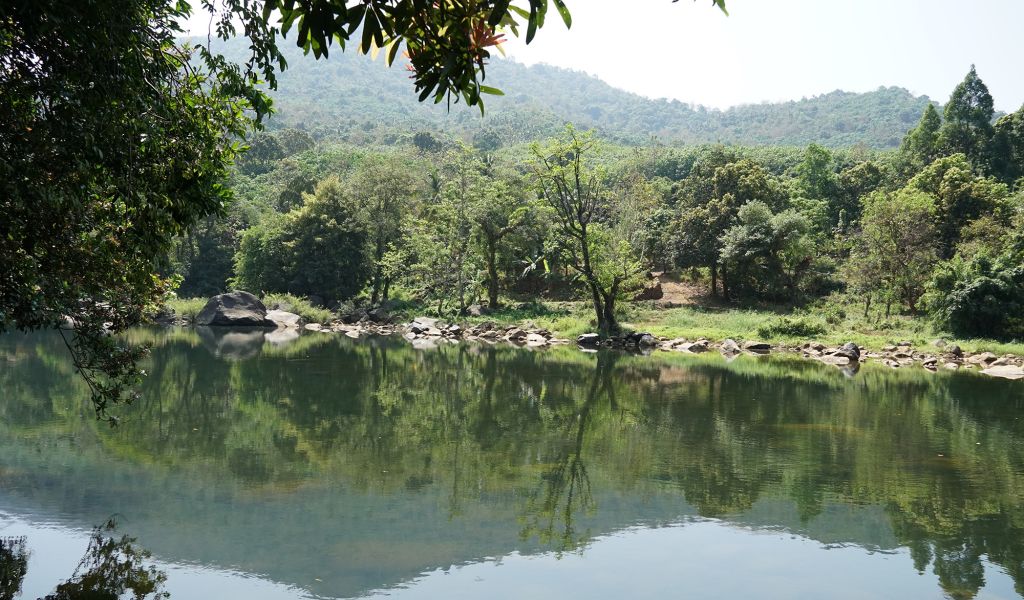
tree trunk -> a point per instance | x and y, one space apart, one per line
611 323
387 289
714 280
492 272
725 284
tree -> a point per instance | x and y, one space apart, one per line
591 234
384 190
922 144
766 253
968 116
982 296
116 138
1008 146
895 250
502 209
960 197
708 203
317 249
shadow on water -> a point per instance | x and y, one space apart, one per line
343 466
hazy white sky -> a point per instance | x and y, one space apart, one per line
770 50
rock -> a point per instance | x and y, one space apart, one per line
939 343
931 361
651 291
889 348
1001 361
640 340
951 366
477 310
425 322
431 332
982 359
758 347
536 340
955 351
1005 371
379 315
238 309
515 335
729 346
696 347
313 327
588 340
285 320
848 350
905 344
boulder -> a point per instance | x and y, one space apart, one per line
477 310
641 340
729 346
238 309
285 320
982 359
379 315
955 351
695 347
758 347
1005 371
849 350
536 340
588 340
515 335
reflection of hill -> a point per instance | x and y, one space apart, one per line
365 463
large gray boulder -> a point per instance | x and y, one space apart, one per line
234 309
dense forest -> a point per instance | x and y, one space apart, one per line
933 228
355 99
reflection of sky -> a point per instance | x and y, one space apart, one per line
704 559
700 559
55 552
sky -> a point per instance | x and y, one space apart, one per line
776 50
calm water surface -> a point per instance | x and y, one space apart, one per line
323 467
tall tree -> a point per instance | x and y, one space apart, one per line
1008 146
922 144
579 196
967 127
384 189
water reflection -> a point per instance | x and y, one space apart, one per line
345 466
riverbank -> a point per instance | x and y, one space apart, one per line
650 326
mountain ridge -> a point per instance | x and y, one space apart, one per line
348 96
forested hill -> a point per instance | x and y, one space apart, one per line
354 98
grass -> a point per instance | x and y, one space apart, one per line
299 306
187 308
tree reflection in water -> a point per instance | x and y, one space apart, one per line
527 446
112 568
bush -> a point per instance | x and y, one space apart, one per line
786 327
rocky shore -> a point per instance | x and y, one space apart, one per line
243 309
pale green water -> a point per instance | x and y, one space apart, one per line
333 468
